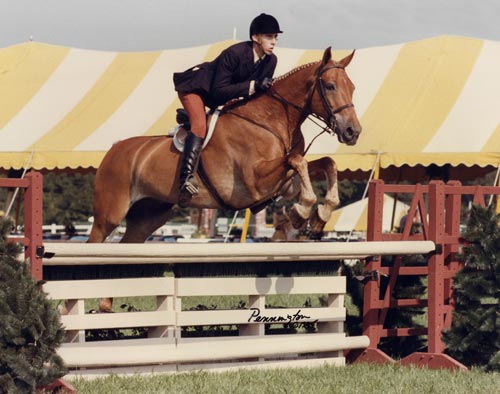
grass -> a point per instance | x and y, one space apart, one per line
352 379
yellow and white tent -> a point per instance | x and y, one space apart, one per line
423 102
354 217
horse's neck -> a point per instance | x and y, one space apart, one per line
294 88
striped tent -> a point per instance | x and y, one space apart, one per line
426 102
354 217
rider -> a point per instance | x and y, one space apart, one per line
239 71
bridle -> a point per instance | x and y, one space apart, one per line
305 111
331 120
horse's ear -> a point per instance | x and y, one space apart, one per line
327 55
345 61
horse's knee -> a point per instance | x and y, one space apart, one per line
332 199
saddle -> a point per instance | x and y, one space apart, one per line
179 132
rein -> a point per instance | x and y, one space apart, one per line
305 111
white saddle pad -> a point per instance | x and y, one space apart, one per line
179 134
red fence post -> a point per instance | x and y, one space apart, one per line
451 248
373 326
436 268
33 221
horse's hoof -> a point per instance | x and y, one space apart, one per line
296 219
105 305
316 236
316 223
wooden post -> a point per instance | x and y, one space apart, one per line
33 220
436 268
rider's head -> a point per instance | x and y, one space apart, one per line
264 31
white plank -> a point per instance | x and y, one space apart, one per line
260 286
118 320
85 289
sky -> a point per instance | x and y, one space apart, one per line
146 25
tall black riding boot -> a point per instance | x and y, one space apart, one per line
189 165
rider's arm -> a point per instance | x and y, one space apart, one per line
223 86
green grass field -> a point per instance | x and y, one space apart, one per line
352 379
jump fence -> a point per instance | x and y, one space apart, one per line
168 348
253 346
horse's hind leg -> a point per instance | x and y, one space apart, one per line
110 207
324 168
143 218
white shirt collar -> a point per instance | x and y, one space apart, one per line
256 57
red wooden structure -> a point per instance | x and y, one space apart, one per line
437 207
32 185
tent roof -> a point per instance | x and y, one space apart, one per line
423 102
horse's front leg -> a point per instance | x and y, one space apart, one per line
324 168
301 210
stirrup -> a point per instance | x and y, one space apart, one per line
188 190
190 186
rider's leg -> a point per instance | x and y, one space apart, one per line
194 106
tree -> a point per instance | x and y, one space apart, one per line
30 330
474 337
67 198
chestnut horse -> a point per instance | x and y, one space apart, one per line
255 155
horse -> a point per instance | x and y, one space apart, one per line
256 154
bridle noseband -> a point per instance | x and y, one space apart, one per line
331 120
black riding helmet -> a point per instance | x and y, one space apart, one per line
264 24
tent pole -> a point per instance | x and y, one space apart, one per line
374 174
231 226
11 203
245 226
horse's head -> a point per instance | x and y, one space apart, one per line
331 98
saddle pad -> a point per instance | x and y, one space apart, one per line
179 134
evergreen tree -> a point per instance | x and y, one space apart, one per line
474 338
30 330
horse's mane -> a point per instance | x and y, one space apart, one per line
294 70
231 104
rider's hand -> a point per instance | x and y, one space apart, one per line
263 84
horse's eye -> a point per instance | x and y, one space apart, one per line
330 86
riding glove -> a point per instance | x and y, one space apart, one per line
263 84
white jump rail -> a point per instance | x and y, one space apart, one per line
181 351
108 253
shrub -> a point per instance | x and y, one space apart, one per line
30 329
